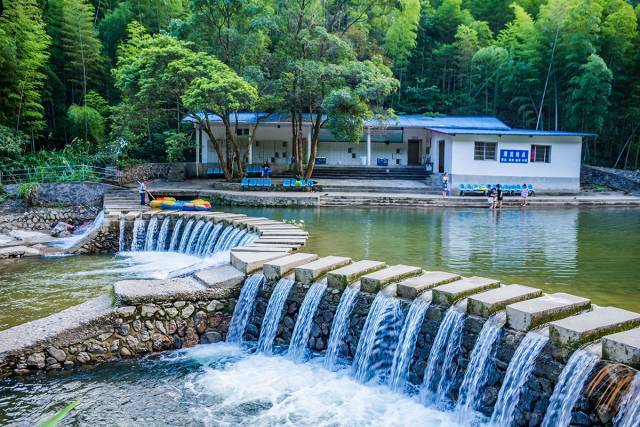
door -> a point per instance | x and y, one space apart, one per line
441 156
413 155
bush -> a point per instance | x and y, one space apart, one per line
29 192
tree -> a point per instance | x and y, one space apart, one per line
26 44
590 95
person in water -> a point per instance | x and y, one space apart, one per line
445 185
499 196
525 195
143 191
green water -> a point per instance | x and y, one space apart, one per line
590 252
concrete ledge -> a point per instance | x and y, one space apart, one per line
226 276
134 292
373 282
450 293
486 303
264 248
284 233
66 327
308 273
574 331
278 268
412 287
284 239
342 277
623 347
525 315
249 262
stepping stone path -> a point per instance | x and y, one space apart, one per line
278 268
623 347
342 277
308 273
486 303
412 287
451 293
526 315
373 282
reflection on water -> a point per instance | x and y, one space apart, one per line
590 252
212 385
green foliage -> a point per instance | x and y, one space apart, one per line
12 144
29 192
86 122
176 145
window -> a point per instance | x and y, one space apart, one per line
541 153
484 151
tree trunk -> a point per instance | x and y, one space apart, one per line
315 135
216 146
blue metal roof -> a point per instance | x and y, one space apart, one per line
459 122
454 130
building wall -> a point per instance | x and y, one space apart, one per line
562 174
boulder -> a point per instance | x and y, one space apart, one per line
62 229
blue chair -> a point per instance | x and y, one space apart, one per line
461 189
518 188
286 183
209 171
252 183
259 183
267 183
476 187
531 189
245 183
310 183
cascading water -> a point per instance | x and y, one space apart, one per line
174 235
273 315
480 366
224 235
244 307
137 234
162 234
515 379
185 235
121 241
76 239
629 412
378 339
149 244
569 387
213 238
407 344
204 237
194 237
340 325
300 337
229 240
446 347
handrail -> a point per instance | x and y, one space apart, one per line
65 173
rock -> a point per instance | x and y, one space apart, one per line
36 360
172 327
215 305
319 344
18 252
105 336
123 329
73 349
160 327
115 344
216 320
148 310
68 364
83 357
149 325
211 337
177 342
96 348
126 311
133 342
179 304
200 322
293 307
160 342
171 312
182 328
144 336
315 330
137 325
190 338
188 311
581 419
57 354
62 229
124 352
252 330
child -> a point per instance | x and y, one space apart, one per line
524 194
491 198
445 185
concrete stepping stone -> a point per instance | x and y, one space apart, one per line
623 347
308 273
135 292
249 262
270 240
373 282
412 287
452 292
574 331
280 267
528 314
342 277
227 218
224 276
287 233
486 303
248 220
264 248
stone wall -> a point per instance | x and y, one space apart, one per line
66 193
47 218
135 173
617 179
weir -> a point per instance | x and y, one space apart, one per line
457 342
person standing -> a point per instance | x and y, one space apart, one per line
524 194
143 191
499 196
445 185
491 197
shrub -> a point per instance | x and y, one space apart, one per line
29 192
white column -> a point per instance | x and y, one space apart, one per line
368 146
205 149
309 144
198 144
250 151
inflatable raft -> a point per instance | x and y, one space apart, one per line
169 203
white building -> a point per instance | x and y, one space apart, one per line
472 150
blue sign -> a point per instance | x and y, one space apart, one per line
514 156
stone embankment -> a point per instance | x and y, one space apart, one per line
617 179
147 316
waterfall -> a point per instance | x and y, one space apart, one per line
629 411
226 243
300 337
185 235
204 236
222 239
444 350
162 235
406 345
480 365
138 234
236 239
194 237
515 379
274 313
378 338
248 239
244 307
121 241
149 243
340 325
569 387
174 235
213 238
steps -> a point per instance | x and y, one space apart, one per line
123 200
413 173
